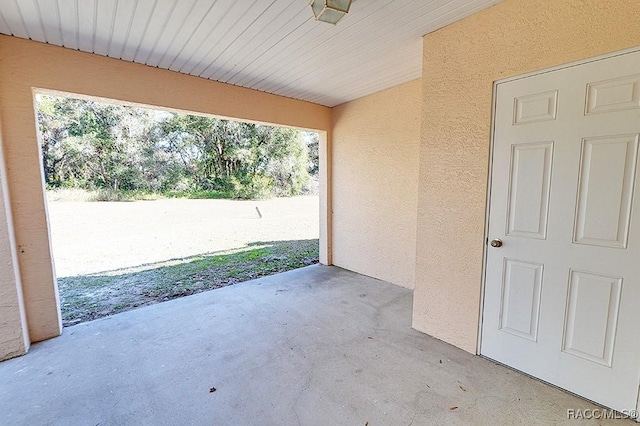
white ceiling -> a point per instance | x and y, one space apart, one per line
274 46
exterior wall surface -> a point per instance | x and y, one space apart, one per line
375 166
26 65
14 339
460 64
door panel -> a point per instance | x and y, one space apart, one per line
529 182
616 94
561 294
521 288
535 107
592 314
607 172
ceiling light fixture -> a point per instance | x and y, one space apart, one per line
330 11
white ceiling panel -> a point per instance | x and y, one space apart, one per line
157 22
28 10
106 18
52 34
125 12
69 23
86 24
4 27
12 16
274 46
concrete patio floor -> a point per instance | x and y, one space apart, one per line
315 346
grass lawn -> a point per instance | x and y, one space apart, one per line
88 297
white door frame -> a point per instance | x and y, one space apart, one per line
491 151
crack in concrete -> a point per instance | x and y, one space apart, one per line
416 401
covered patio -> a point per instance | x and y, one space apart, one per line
314 346
403 96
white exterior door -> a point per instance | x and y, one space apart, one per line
562 293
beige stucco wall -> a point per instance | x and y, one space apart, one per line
375 169
460 64
14 339
26 65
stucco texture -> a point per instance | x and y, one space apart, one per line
14 339
375 170
28 65
460 64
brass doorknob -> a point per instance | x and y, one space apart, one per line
497 242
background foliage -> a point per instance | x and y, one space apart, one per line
108 147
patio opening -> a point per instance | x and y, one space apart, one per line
147 205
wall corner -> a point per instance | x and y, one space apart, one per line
14 334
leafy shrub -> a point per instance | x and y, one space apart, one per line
252 187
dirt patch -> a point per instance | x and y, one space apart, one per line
88 297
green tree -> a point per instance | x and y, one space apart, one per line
92 145
250 160
313 148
